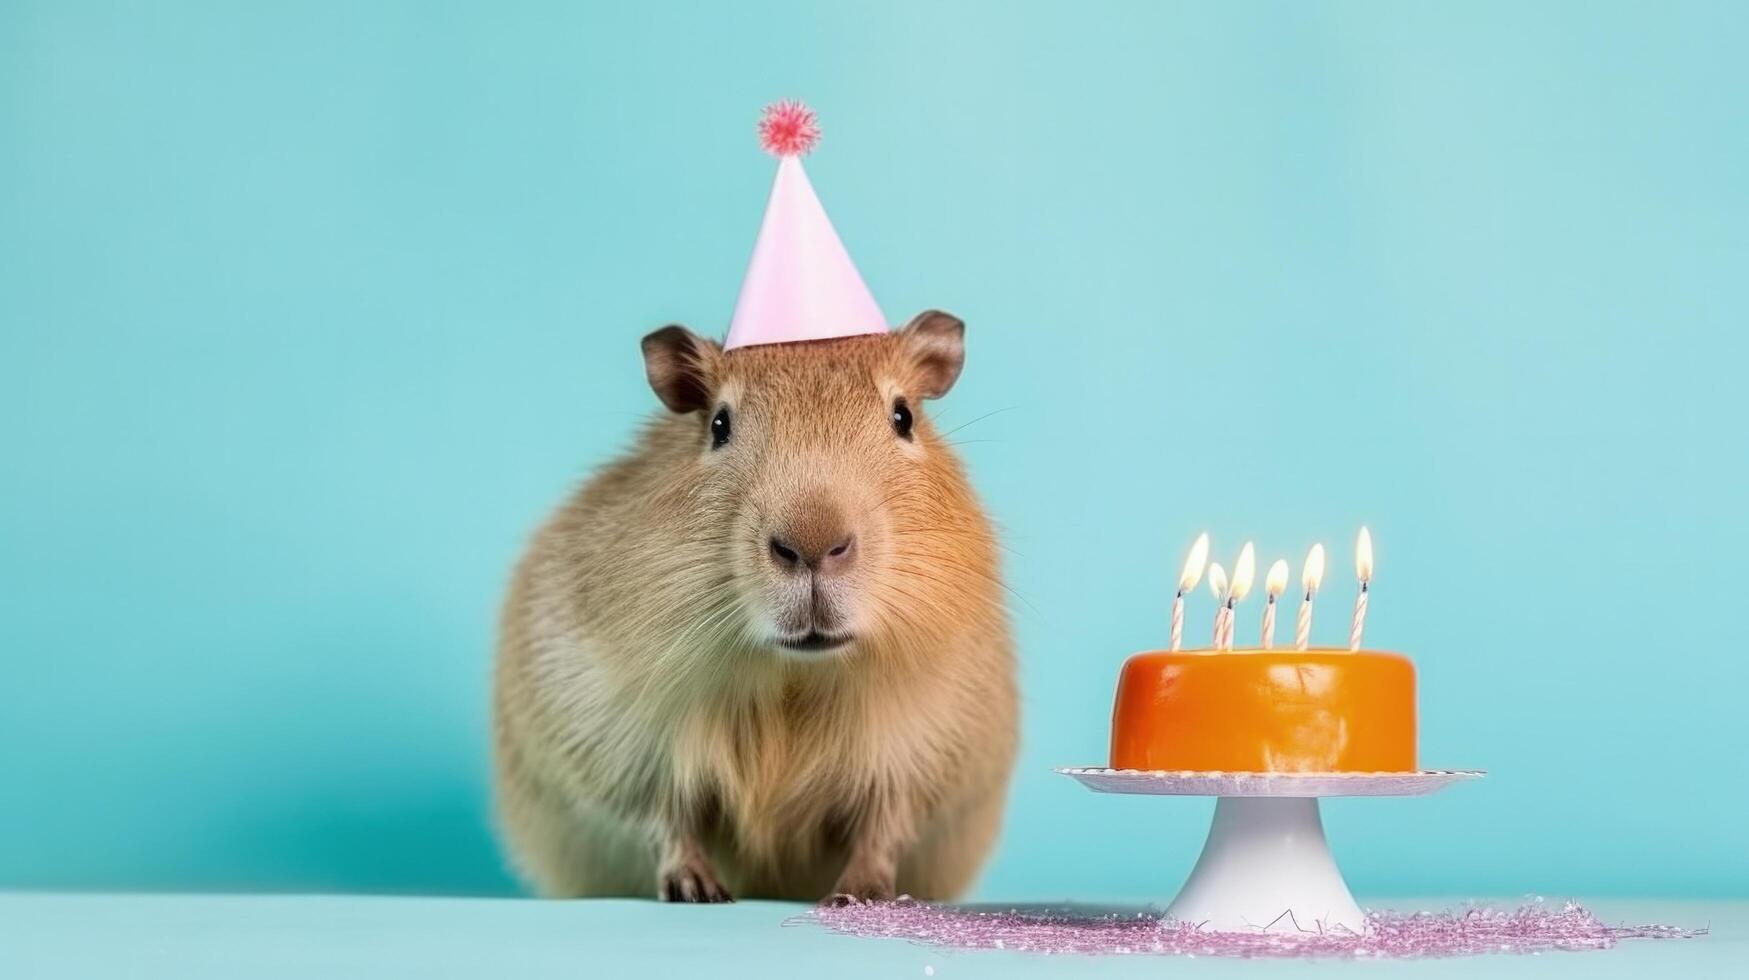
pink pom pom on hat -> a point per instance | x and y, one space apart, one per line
801 284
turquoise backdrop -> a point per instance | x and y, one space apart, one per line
310 311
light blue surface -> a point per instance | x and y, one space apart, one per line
309 311
58 937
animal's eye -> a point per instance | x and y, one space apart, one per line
720 428
902 418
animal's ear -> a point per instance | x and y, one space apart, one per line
682 367
934 345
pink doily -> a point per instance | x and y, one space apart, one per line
1469 931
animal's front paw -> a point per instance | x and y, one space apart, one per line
691 882
852 889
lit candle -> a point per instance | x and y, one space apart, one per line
1218 585
1273 586
1187 579
1311 577
1244 570
1362 571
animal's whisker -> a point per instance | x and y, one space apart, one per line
980 418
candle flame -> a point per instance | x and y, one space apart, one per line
1363 555
1218 581
1276 582
1312 576
1244 570
1193 564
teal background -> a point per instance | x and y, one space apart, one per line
308 313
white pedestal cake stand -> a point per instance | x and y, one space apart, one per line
1266 864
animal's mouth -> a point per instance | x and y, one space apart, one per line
815 641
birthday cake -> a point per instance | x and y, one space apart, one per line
1265 711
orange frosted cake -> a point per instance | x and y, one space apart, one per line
1265 711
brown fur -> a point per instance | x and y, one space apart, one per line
651 738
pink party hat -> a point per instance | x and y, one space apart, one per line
801 284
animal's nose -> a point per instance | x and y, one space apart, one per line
825 554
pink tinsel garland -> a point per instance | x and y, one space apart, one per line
1469 931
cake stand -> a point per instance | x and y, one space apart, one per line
1266 864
